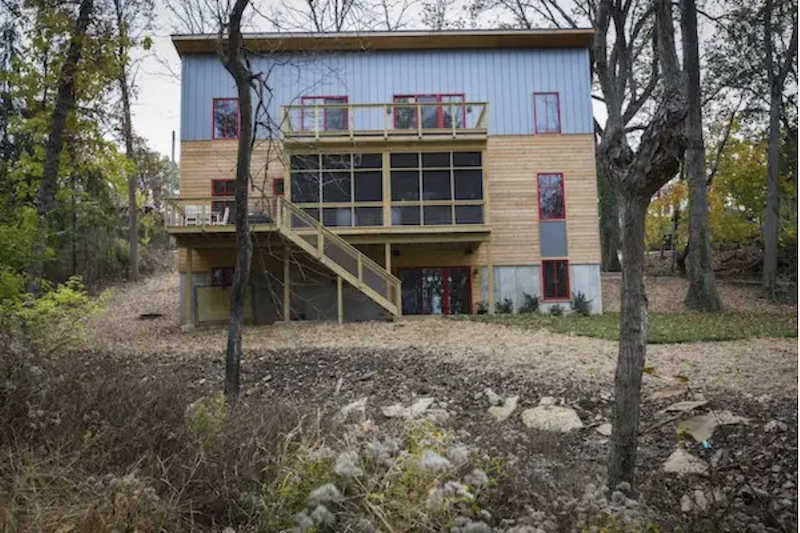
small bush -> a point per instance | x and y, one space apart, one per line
530 304
580 305
482 309
504 307
556 310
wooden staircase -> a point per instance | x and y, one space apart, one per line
338 255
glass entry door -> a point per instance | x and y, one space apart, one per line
436 291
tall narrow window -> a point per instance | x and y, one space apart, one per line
225 113
551 197
324 113
429 115
555 278
222 191
546 112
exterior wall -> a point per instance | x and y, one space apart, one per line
506 79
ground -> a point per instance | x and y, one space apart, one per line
454 361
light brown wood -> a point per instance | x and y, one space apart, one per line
339 299
189 286
287 286
490 281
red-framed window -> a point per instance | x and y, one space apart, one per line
221 276
552 205
546 113
326 118
225 118
222 187
408 117
436 290
555 279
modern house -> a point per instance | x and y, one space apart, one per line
398 173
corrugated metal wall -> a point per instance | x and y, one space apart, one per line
506 79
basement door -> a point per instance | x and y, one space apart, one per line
436 291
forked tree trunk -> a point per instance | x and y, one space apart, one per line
633 328
609 221
702 294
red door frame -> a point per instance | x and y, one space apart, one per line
558 106
324 99
544 285
439 110
445 286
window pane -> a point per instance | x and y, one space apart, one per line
411 290
436 159
368 216
551 196
405 216
546 110
466 159
451 113
305 187
405 160
337 216
556 279
367 160
405 185
368 186
222 187
436 185
430 114
405 117
459 289
468 184
335 187
336 161
335 117
469 214
226 118
313 212
305 162
436 215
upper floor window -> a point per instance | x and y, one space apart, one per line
222 191
323 113
551 197
555 278
429 115
546 113
226 118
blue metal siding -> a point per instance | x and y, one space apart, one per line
506 79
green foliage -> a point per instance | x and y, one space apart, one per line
665 328
504 307
556 310
207 416
580 305
530 304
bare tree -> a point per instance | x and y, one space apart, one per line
64 103
702 294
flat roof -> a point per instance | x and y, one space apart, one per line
396 40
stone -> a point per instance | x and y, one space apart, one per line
775 425
437 416
492 397
604 429
700 499
552 418
358 407
686 504
395 411
547 400
420 406
502 412
682 462
683 407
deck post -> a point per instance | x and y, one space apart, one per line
387 261
339 299
287 288
490 282
190 287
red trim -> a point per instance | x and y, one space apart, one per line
445 286
324 99
213 181
439 110
558 107
544 293
213 123
539 195
275 187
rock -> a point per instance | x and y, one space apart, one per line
775 425
437 416
669 392
682 462
492 397
683 407
502 412
701 427
395 411
686 504
604 429
358 406
700 499
551 418
420 406
547 400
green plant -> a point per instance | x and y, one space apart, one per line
504 307
557 310
530 304
580 305
208 415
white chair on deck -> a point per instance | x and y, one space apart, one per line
225 215
191 215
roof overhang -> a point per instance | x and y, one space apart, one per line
397 40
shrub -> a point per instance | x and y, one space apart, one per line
556 310
504 307
482 309
530 304
580 305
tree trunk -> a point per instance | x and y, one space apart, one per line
65 101
633 327
234 61
702 294
771 216
127 133
609 221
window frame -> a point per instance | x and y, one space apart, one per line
545 298
439 109
535 113
539 195
226 273
324 99
213 120
226 197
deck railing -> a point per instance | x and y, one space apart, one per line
216 210
399 119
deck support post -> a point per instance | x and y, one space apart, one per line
339 299
189 287
287 287
490 282
387 254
